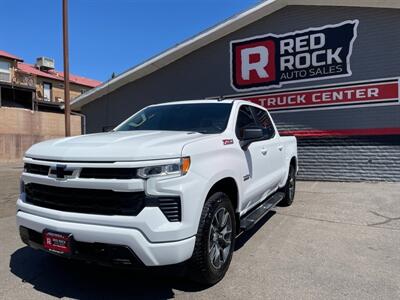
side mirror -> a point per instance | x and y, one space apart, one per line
252 134
249 136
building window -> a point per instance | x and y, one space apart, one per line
83 91
46 91
5 73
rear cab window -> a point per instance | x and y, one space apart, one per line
264 121
245 119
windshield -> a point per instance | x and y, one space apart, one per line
201 117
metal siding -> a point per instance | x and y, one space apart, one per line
347 118
350 159
206 72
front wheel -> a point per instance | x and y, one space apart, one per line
290 188
214 240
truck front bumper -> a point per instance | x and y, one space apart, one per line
147 253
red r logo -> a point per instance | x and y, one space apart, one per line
254 63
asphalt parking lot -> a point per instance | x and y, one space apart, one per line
338 240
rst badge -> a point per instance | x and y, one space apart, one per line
227 142
271 60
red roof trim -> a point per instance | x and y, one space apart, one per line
341 132
52 74
9 55
56 75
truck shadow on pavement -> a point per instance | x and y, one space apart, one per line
60 277
242 239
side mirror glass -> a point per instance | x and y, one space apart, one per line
252 134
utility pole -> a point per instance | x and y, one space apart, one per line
67 108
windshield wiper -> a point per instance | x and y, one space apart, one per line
206 132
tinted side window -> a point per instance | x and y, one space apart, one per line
245 119
265 122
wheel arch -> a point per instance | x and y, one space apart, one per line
289 162
293 162
229 186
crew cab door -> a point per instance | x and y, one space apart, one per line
263 158
272 151
253 160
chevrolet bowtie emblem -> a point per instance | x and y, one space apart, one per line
60 171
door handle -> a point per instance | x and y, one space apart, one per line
264 151
280 148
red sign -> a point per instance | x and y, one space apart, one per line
57 242
271 60
362 93
256 53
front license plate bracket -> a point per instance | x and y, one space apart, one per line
57 242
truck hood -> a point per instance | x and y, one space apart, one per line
115 146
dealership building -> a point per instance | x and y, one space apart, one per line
328 71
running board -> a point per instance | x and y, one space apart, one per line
249 220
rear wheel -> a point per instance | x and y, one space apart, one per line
290 188
214 240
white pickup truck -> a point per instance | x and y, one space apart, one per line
175 183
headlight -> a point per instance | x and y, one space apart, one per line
180 168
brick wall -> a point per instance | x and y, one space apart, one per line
21 128
350 159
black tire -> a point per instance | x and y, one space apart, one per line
209 251
290 188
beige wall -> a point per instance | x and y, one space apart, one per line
21 128
57 89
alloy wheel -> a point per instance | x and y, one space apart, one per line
220 238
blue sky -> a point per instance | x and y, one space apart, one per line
107 36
